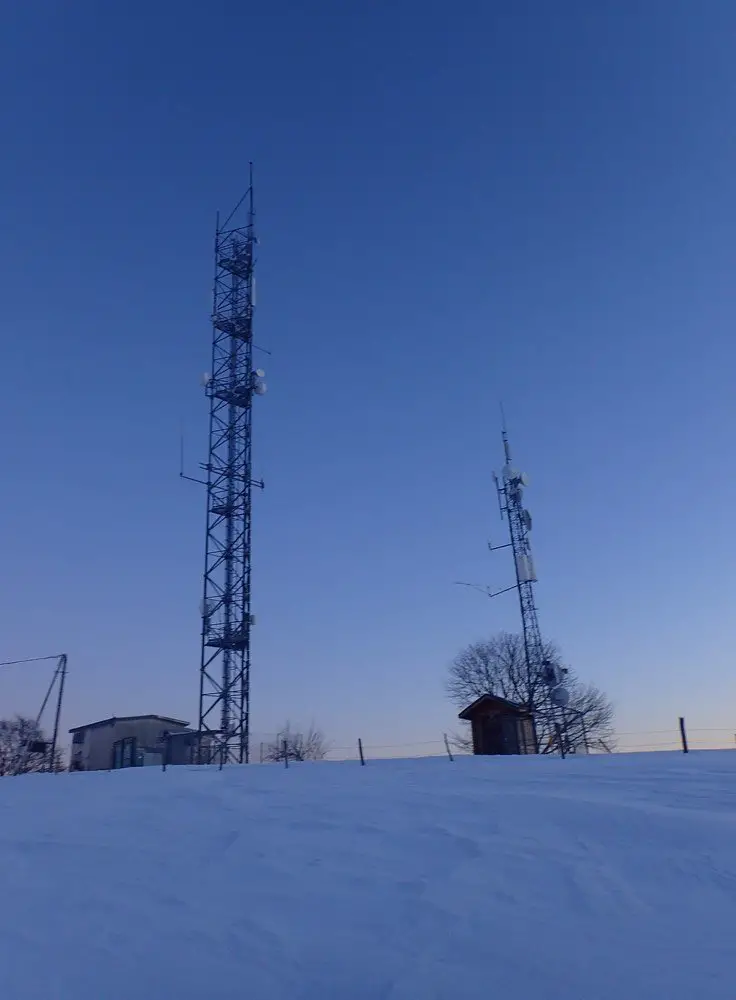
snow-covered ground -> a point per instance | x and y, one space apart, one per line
608 878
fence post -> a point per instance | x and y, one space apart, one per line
447 747
261 755
683 735
360 751
285 745
558 730
165 757
585 734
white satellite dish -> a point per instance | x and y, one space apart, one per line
260 388
523 479
206 379
259 372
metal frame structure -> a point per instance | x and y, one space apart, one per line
510 500
41 746
224 685
541 675
549 713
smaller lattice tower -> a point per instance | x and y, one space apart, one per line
510 488
548 697
545 680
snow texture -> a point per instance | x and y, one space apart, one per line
585 879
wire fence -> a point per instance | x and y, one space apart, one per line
285 748
705 738
678 738
270 749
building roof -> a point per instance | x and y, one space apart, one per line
130 718
511 707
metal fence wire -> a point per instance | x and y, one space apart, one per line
677 738
290 747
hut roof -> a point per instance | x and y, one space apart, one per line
488 700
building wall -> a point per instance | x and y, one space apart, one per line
95 753
497 732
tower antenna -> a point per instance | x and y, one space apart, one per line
224 676
542 675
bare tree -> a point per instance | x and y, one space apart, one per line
24 748
311 745
498 666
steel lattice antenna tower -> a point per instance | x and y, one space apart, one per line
224 689
542 676
510 489
544 679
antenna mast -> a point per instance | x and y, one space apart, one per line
224 686
542 676
510 489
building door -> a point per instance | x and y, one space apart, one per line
124 753
500 735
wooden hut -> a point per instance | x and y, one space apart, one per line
500 726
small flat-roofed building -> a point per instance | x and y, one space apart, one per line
131 741
500 726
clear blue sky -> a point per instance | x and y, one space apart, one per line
526 200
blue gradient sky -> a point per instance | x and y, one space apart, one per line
524 200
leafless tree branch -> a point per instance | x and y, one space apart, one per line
24 748
311 745
498 666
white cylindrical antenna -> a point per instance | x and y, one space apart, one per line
560 696
521 567
525 568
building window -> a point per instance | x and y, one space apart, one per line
78 737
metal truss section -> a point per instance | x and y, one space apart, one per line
224 703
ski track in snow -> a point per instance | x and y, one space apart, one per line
584 879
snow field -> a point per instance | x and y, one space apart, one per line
596 878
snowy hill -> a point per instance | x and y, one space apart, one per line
591 879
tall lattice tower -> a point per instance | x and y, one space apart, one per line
545 681
510 490
224 690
